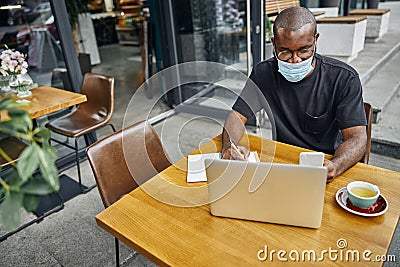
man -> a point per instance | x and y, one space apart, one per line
316 101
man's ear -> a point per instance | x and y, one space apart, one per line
273 40
316 41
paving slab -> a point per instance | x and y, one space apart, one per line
383 86
375 55
386 133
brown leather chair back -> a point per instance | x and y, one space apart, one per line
368 114
85 63
125 159
13 147
99 90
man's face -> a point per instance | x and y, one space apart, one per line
295 46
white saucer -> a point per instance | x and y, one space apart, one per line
341 199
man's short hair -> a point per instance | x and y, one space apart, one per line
293 18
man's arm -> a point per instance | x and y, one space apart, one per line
348 153
233 130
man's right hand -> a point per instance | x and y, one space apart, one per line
234 154
233 132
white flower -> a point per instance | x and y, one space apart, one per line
13 62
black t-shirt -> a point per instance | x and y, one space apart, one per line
309 113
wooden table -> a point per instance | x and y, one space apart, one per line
191 236
45 100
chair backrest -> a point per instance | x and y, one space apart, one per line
85 63
368 114
125 159
99 90
13 147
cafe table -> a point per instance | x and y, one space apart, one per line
167 221
46 100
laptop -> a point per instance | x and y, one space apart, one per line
266 192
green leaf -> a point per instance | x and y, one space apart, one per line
13 127
30 202
13 179
28 162
10 210
43 133
50 151
8 128
37 186
18 104
2 194
48 169
17 116
5 102
3 135
17 112
21 119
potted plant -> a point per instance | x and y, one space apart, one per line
34 173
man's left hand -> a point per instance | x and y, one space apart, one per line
331 167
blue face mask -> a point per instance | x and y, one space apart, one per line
294 72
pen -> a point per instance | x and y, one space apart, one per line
235 147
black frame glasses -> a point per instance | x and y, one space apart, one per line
304 53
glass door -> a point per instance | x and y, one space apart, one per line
212 42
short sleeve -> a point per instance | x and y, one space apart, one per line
350 107
248 102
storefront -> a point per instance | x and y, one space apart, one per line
172 32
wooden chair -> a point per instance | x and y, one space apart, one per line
368 114
89 116
138 145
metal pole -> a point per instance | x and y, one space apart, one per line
248 36
66 40
257 31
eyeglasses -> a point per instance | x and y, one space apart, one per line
304 53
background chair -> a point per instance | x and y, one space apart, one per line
140 146
13 147
368 114
91 115
60 79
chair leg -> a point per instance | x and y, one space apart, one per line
83 189
116 252
77 164
112 127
